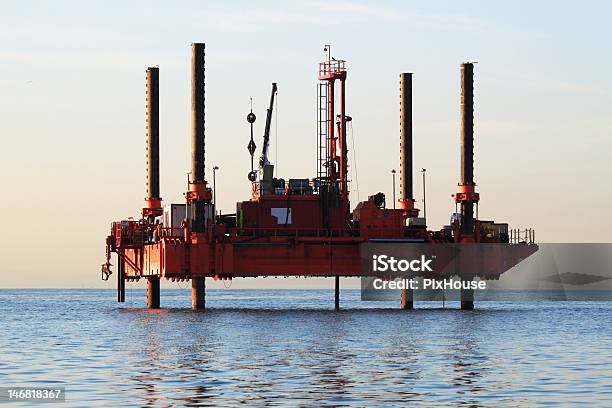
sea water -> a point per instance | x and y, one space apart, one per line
289 347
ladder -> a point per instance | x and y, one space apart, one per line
322 126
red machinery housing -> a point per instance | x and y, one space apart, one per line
295 227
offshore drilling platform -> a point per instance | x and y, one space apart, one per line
295 227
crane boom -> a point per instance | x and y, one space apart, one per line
264 153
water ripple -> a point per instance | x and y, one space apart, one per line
258 349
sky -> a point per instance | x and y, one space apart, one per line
72 112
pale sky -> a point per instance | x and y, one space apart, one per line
72 111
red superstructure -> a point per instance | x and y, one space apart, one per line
295 227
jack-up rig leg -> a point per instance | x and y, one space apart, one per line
406 201
120 280
337 293
467 197
153 292
467 299
199 196
407 301
198 293
153 202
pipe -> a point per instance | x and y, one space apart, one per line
343 147
467 143
407 300
467 297
198 293
200 193
153 133
337 293
120 280
198 102
467 123
153 292
406 187
331 147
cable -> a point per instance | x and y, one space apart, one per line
354 161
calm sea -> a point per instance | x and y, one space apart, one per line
287 347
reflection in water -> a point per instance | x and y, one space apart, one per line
148 378
469 364
267 350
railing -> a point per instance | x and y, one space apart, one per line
169 232
130 233
331 67
526 236
289 231
141 233
296 232
303 189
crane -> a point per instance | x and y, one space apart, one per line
263 160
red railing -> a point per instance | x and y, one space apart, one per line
292 231
331 67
